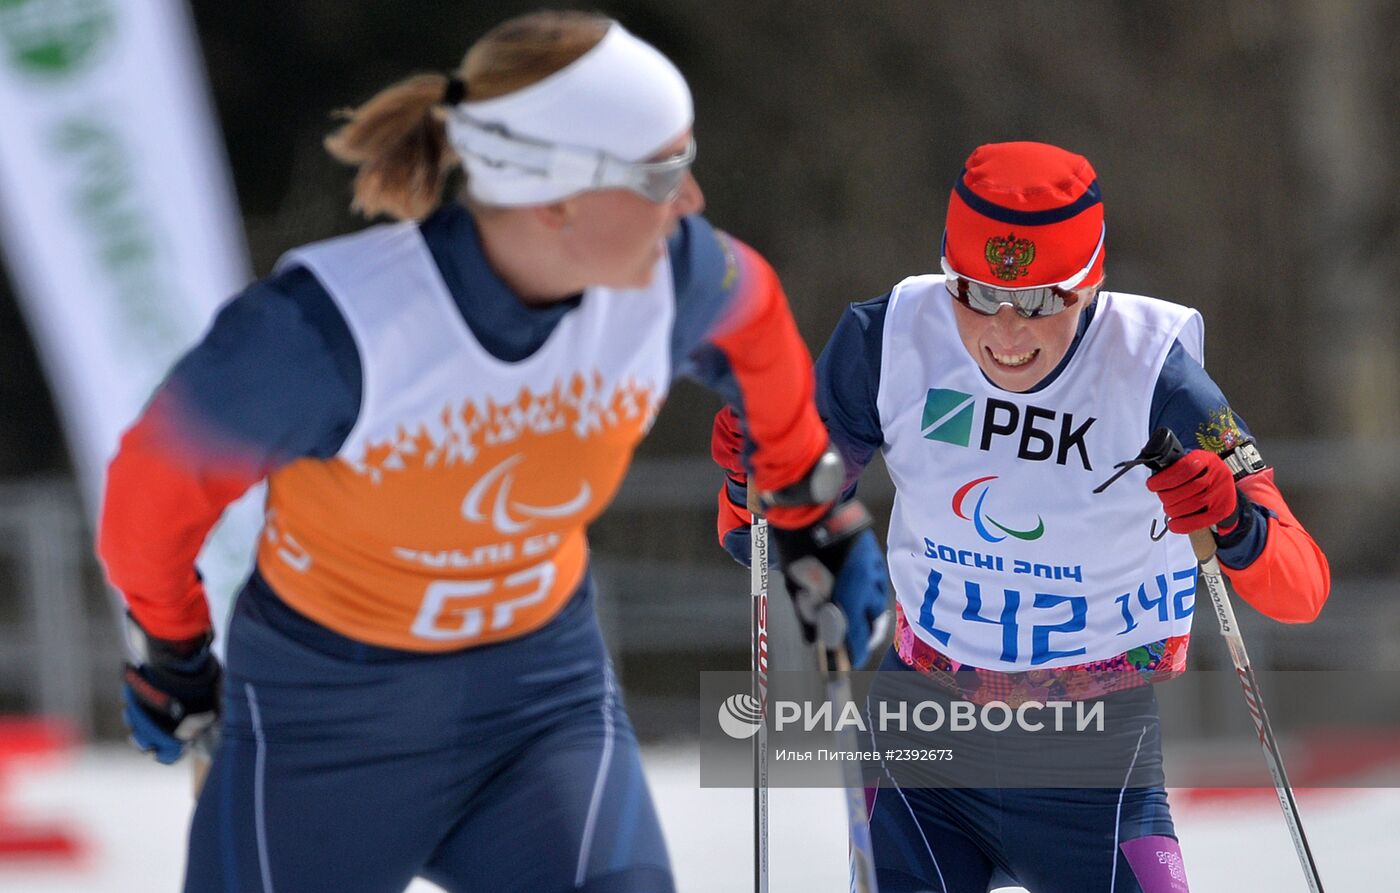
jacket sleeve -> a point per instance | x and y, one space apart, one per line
848 386
1274 564
161 500
275 378
739 338
1289 579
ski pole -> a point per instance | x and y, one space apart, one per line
1161 451
202 756
1229 628
836 665
758 662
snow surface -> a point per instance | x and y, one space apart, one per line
132 814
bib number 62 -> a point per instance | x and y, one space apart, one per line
461 610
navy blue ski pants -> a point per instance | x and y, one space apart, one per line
962 839
351 768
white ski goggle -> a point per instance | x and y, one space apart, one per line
1031 302
582 169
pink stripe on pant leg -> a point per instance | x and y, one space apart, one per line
1156 863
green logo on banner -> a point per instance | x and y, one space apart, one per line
948 416
53 37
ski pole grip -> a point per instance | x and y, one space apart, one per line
1162 450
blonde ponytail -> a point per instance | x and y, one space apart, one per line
398 140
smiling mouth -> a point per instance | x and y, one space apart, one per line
1013 361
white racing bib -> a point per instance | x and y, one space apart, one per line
454 514
1002 556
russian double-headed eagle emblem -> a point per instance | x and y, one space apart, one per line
1220 432
1009 257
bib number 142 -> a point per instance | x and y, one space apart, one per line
1177 605
1041 651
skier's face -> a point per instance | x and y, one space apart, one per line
616 236
1015 352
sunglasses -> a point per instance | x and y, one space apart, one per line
657 181
1031 302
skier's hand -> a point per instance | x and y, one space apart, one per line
1198 492
727 449
834 561
837 562
171 693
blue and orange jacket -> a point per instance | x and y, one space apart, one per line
276 387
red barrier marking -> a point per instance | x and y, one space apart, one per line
25 742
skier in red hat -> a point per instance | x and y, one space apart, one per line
1000 391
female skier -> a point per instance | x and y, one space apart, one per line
416 684
1001 392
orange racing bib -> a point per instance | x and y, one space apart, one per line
455 513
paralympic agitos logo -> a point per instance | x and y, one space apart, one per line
984 522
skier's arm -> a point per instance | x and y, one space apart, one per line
828 553
848 385
275 378
736 335
1272 561
1290 579
848 380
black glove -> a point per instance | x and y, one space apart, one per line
171 694
839 585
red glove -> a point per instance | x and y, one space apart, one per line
727 444
727 449
1197 491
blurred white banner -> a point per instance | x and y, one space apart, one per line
117 218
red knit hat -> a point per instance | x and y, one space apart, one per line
1024 214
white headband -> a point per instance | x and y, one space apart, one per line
622 98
